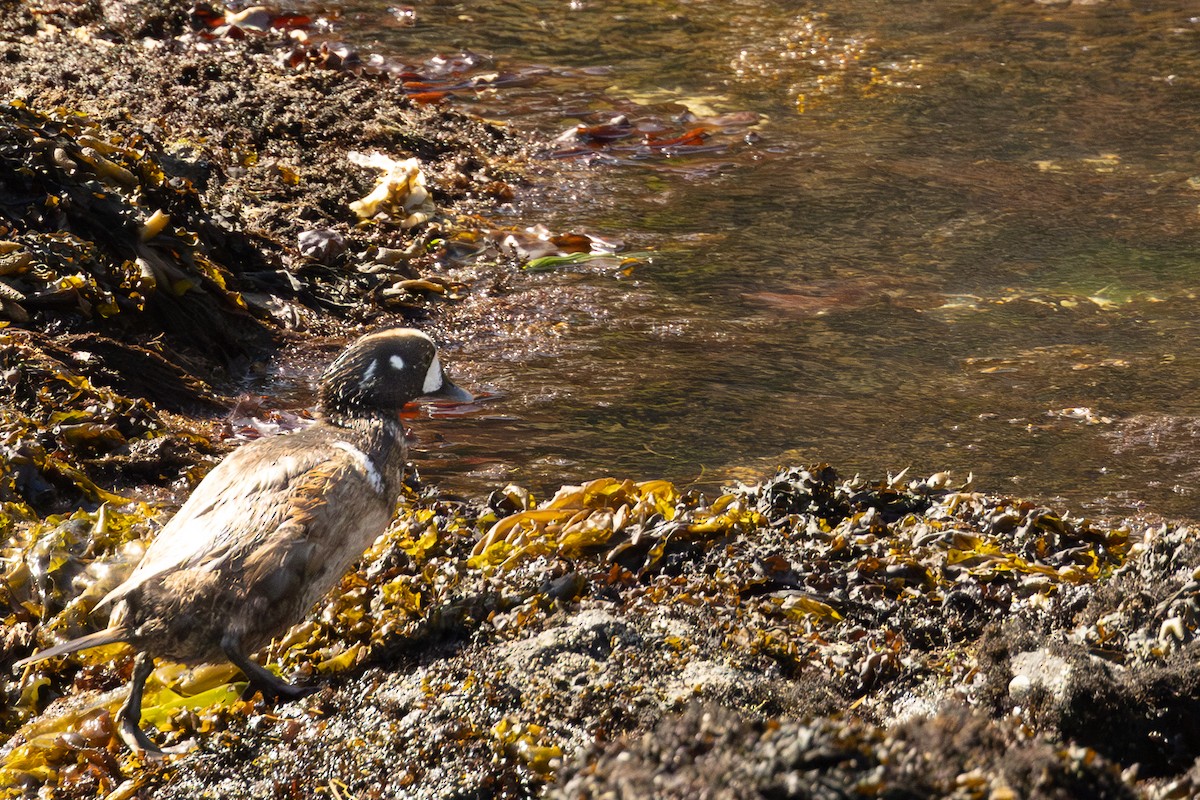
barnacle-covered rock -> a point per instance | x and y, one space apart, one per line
843 633
709 751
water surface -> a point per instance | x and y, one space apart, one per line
962 236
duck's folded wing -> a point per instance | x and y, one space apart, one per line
244 498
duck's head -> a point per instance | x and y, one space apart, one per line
379 373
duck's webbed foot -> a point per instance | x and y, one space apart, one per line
273 688
130 716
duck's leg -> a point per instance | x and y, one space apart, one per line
261 679
129 718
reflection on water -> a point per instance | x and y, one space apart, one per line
959 226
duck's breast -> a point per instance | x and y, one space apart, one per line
268 532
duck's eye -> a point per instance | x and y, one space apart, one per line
397 362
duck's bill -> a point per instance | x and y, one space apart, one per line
449 392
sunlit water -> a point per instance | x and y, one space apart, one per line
963 237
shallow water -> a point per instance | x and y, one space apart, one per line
963 236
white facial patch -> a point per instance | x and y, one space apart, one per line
365 462
433 378
369 375
397 363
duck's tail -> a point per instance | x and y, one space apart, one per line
106 636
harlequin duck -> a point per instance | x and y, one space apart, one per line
273 527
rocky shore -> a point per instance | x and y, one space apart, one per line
178 199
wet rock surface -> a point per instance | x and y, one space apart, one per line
170 207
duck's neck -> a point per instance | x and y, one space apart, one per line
380 437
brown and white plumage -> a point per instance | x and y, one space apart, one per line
274 526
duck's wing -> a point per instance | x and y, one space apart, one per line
241 502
